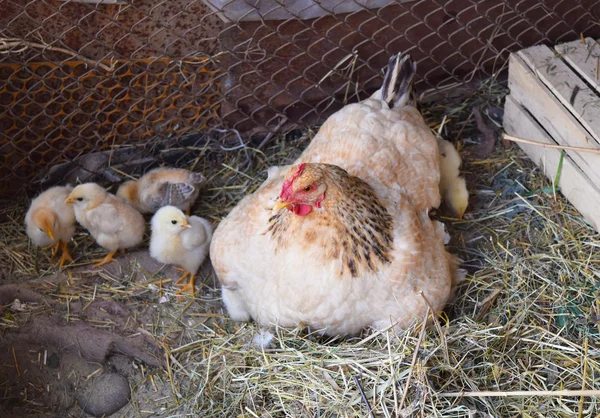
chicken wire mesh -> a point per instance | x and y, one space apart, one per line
101 89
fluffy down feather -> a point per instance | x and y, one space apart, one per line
453 188
113 224
342 240
51 222
161 187
180 240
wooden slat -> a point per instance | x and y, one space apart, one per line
573 183
562 81
528 90
585 59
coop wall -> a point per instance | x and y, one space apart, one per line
140 83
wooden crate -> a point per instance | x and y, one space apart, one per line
555 99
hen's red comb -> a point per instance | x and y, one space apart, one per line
286 189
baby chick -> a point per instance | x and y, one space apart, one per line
161 187
453 188
113 223
50 222
180 240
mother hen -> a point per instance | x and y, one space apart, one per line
342 239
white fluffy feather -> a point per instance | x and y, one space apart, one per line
183 247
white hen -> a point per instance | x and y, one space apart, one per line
348 243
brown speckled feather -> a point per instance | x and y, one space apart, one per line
362 226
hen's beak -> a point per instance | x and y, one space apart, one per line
49 232
280 204
185 224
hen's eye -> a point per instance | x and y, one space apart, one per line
307 189
80 199
174 222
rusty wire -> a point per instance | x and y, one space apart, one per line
83 83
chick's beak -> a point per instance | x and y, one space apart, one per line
185 224
280 204
49 232
69 199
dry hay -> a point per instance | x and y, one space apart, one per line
525 319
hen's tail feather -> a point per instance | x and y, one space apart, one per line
397 86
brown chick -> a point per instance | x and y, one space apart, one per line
342 240
51 222
113 224
163 187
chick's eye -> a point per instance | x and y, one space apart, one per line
174 222
80 199
307 188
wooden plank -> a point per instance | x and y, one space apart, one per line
532 94
573 183
562 82
585 59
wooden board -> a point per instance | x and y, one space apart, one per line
554 73
530 92
574 184
584 58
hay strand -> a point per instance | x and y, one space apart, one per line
522 393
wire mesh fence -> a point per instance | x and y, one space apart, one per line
101 89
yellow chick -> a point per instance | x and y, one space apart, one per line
114 224
50 222
180 240
453 188
161 187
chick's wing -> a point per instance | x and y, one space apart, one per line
106 218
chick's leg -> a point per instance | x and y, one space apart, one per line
55 246
65 256
185 274
186 287
109 258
